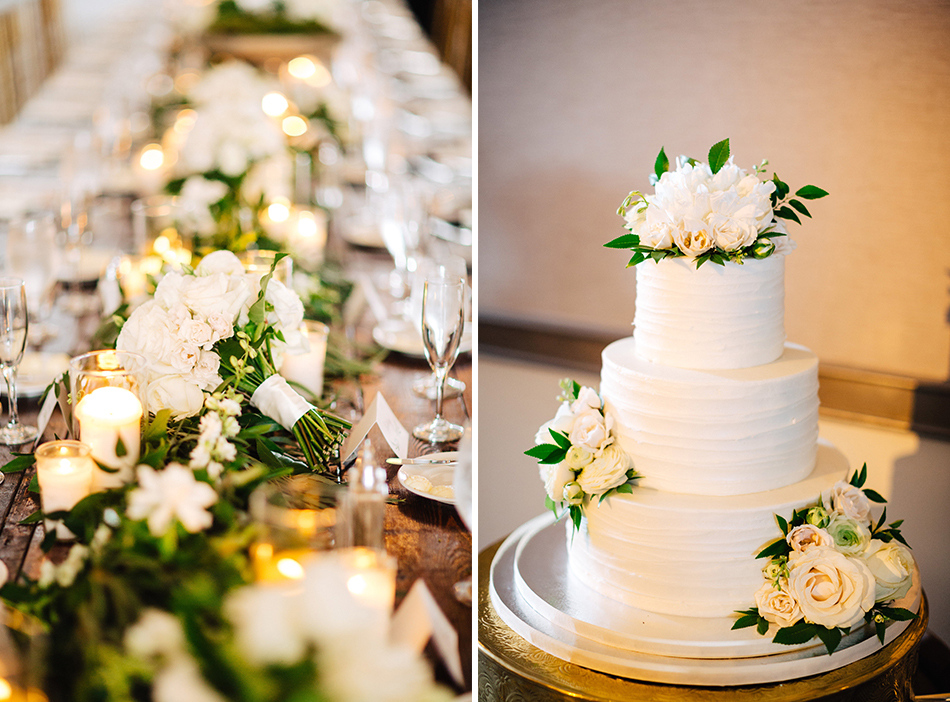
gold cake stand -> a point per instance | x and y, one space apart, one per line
512 670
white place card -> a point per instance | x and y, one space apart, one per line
379 414
419 618
45 414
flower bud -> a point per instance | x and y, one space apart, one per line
818 516
573 494
762 248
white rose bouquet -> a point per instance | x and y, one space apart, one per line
579 459
221 326
832 568
711 211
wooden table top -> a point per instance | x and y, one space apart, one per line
427 538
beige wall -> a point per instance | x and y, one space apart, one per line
577 96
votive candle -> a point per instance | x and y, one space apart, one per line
64 470
307 368
106 415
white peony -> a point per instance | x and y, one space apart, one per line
587 398
590 431
807 536
220 262
777 606
170 494
893 568
563 422
850 501
831 588
693 238
606 471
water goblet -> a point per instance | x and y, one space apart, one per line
443 320
14 323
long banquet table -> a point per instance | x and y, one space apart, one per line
426 537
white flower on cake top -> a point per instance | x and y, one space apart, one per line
711 211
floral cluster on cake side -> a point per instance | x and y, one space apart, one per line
833 567
713 211
579 458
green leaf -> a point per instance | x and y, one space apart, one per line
859 477
550 504
718 155
561 439
542 451
776 548
897 613
158 427
796 634
874 496
879 629
783 525
798 205
120 449
33 518
662 163
787 213
34 485
624 242
829 637
810 192
625 489
103 467
746 621
763 626
781 187
21 462
638 257
576 515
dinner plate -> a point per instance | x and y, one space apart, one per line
36 371
438 475
402 336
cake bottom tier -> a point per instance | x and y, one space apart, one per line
675 554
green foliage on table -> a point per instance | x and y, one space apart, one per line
231 19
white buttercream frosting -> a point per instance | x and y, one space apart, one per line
730 316
689 554
705 432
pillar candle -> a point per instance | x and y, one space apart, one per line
64 471
307 368
105 415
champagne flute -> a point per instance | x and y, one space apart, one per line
446 266
462 482
14 323
443 319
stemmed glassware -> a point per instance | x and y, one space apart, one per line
14 323
443 320
462 482
32 255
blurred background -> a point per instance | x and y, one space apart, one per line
575 101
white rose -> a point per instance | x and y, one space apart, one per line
217 293
220 262
851 537
587 398
806 536
777 606
606 471
693 238
183 357
182 397
590 431
893 568
849 501
205 372
287 316
578 457
831 588
156 633
555 476
656 230
198 333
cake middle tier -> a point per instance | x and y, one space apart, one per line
689 554
714 432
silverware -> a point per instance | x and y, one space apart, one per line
422 461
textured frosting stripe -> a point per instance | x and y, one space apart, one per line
721 432
730 316
675 554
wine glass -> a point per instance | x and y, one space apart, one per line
14 323
462 483
443 320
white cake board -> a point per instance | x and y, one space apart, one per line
534 593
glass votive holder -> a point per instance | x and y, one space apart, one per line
157 224
295 518
370 576
260 263
306 369
108 391
136 275
64 470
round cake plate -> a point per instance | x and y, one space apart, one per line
534 594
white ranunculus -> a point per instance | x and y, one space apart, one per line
693 238
850 501
266 624
587 398
555 476
832 589
806 536
606 471
156 633
220 262
590 431
777 606
851 537
170 494
577 457
893 568
182 680
183 397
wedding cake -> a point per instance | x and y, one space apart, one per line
701 500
